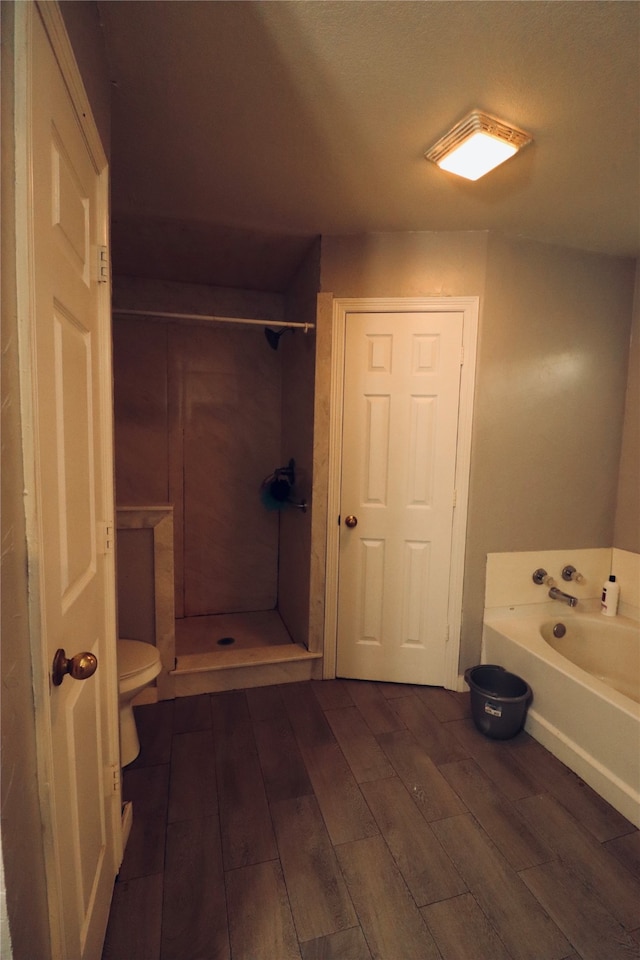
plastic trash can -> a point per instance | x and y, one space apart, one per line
499 700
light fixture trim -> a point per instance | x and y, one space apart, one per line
473 124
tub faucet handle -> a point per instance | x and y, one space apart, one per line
541 576
570 573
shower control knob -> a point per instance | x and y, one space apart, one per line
351 521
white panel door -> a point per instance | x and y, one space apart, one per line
71 575
400 420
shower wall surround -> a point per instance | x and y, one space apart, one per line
198 425
203 412
224 437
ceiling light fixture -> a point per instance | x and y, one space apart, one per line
476 145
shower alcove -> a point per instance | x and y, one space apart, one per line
205 410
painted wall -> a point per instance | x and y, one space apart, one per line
549 406
551 373
82 21
405 265
627 528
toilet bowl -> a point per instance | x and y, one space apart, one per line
138 664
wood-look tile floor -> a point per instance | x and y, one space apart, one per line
345 820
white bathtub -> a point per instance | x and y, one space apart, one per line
585 686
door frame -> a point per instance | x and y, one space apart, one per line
342 307
49 13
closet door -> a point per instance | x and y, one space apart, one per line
401 396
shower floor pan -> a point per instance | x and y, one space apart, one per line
262 628
228 651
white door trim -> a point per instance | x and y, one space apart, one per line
25 14
341 307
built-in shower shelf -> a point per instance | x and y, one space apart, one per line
230 669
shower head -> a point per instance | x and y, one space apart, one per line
273 336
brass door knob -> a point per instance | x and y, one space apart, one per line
351 521
80 667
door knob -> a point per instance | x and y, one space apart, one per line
351 521
80 667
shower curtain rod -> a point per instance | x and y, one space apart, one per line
121 312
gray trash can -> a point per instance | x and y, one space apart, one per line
499 700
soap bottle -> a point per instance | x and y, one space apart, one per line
610 597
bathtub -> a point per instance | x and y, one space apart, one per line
585 686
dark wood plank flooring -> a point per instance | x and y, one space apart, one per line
349 820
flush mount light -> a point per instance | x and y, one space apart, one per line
476 145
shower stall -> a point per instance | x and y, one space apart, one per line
214 417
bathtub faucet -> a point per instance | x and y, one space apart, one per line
557 594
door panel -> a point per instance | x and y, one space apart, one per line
71 566
72 344
401 397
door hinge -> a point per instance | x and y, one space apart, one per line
105 535
446 634
461 355
455 498
113 778
103 264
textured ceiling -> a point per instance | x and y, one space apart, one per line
245 122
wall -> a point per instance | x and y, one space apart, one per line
627 527
405 265
549 406
82 22
551 370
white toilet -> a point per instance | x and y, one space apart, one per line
138 664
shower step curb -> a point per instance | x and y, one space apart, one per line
230 659
255 667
